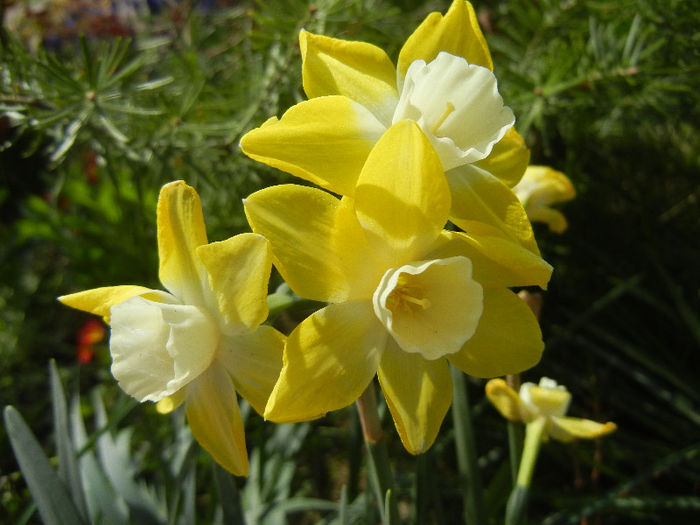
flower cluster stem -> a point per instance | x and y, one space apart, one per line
380 473
517 502
466 450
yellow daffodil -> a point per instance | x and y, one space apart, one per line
405 295
202 340
540 187
547 402
443 81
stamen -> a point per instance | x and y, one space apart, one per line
448 110
423 303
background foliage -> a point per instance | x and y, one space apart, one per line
92 126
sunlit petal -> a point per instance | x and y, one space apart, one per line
508 339
505 399
254 361
458 107
358 70
497 262
479 198
324 140
215 420
306 230
418 393
402 198
457 33
239 270
98 301
546 399
569 428
158 348
180 231
329 360
508 159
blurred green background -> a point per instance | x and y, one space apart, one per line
101 105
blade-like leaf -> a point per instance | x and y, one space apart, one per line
50 494
68 469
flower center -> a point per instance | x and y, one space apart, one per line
430 307
407 296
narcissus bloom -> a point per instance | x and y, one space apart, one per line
443 81
406 297
540 187
546 401
202 340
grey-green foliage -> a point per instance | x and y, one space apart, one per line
99 478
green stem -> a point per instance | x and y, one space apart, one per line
466 451
515 429
378 457
517 502
533 439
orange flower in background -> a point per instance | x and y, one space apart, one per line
92 332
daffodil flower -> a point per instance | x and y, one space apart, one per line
406 297
443 81
547 402
540 187
201 341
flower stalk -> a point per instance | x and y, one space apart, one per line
380 473
466 450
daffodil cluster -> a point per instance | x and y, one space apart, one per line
405 150
408 148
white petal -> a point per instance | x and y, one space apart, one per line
457 105
157 348
430 307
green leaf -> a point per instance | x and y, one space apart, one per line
102 499
68 469
50 494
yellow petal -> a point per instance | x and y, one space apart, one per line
545 399
180 231
254 361
324 140
554 219
497 262
239 270
508 159
306 228
170 403
98 301
357 70
505 399
329 360
215 420
568 428
479 198
418 393
508 339
402 198
457 32
542 186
